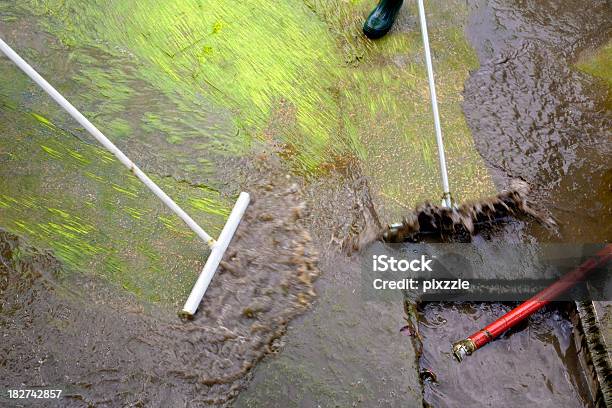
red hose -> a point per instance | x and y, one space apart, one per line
527 308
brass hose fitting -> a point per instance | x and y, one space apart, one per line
463 348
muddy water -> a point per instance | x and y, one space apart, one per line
534 366
347 351
99 343
104 348
536 117
105 356
533 115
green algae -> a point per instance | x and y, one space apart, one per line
386 101
43 120
167 45
124 191
209 206
79 157
187 48
597 63
51 152
183 85
97 217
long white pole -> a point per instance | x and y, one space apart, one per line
434 107
72 111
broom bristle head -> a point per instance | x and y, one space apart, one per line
428 218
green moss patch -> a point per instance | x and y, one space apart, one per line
183 86
597 63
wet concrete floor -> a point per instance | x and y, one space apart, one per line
532 116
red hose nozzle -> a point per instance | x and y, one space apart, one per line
524 310
463 348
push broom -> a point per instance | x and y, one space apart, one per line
447 217
218 247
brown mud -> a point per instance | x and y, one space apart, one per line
347 351
535 116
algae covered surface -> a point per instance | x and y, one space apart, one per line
187 89
597 63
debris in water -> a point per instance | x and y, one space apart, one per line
265 280
408 331
462 221
428 376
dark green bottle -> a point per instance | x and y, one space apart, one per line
381 19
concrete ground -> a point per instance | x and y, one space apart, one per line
345 352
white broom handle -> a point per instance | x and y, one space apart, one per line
72 111
434 106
